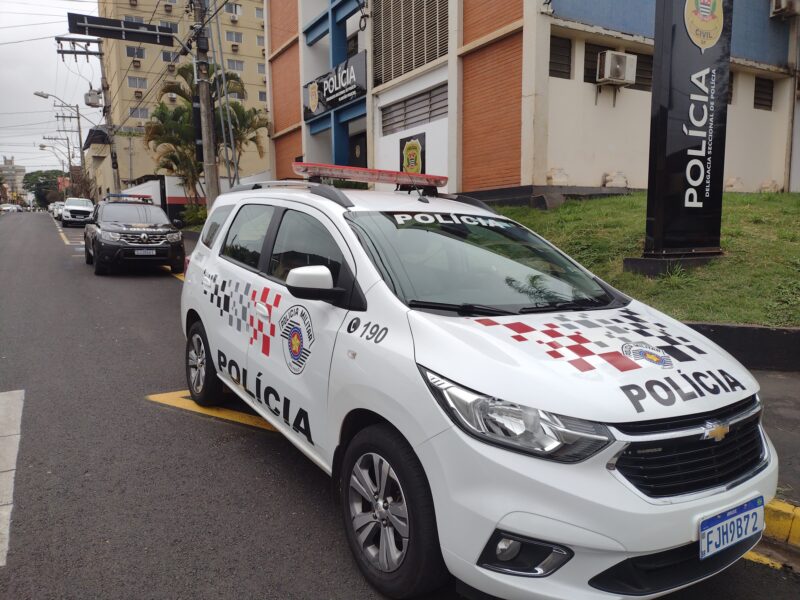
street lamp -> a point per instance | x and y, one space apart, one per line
77 110
53 150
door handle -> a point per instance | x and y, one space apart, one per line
261 309
206 281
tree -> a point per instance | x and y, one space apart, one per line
3 192
41 182
169 135
186 87
247 124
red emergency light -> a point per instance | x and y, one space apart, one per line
368 175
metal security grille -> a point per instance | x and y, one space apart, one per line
406 35
644 72
415 110
560 57
764 91
590 61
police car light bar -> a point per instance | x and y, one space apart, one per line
368 175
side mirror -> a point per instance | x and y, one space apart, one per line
178 223
312 283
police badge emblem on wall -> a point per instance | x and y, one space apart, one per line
298 335
313 96
704 22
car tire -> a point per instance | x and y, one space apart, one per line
87 255
411 565
99 267
208 390
176 268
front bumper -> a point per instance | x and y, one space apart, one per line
478 488
116 253
74 219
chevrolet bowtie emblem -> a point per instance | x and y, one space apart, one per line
714 430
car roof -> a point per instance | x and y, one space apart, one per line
361 200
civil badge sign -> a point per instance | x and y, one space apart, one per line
412 154
704 22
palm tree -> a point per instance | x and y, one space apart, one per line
169 135
185 87
247 124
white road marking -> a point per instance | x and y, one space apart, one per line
10 419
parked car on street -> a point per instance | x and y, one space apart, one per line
486 406
131 231
56 208
8 208
76 211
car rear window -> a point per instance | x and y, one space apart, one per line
213 224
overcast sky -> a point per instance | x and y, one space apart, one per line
33 65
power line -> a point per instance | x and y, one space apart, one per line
31 24
46 37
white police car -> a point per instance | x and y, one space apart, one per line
485 405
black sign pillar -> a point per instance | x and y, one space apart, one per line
691 75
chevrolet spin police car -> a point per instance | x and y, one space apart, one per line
487 407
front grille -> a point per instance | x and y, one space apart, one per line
685 465
136 238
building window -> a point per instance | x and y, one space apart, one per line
730 88
133 19
260 40
262 69
416 110
590 61
406 36
173 27
235 65
134 52
262 96
139 112
139 83
644 72
169 56
234 36
560 57
233 9
765 89
259 13
235 96
352 45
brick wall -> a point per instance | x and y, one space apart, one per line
492 115
282 22
481 17
286 88
287 148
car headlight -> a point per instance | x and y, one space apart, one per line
529 430
65 213
111 236
175 236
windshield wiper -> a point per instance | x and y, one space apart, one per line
557 306
461 309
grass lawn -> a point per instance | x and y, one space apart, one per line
756 282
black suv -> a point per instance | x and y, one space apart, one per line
123 231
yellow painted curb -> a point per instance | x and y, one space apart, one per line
782 522
762 560
183 401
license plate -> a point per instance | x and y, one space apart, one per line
144 252
731 526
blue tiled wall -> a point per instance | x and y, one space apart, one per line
755 35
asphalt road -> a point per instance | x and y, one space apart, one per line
119 497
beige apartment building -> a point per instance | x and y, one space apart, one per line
135 74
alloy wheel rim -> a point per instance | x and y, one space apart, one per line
378 512
197 364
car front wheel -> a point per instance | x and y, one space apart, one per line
389 516
204 385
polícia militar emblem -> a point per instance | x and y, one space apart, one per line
298 335
639 351
704 22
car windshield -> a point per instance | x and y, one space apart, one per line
134 213
79 203
482 263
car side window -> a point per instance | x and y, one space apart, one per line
303 241
213 224
245 237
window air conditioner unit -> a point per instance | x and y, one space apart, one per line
263 52
784 8
264 79
140 124
138 94
134 2
168 7
234 47
172 96
136 63
616 68
234 18
171 68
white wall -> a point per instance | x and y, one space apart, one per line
387 147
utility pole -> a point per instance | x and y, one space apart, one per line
81 48
206 110
77 109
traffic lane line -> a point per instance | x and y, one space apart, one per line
10 419
178 276
183 400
